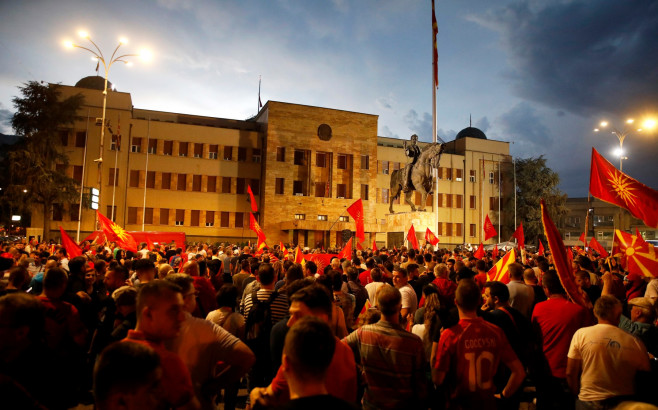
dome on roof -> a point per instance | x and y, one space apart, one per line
471 132
94 82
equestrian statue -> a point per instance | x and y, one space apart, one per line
416 175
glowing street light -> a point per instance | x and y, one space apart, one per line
107 63
621 135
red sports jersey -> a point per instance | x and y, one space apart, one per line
469 353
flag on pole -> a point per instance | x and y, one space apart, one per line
430 237
359 246
435 52
494 253
489 230
611 185
252 200
260 103
636 255
583 239
72 249
356 211
594 244
283 249
500 271
540 250
374 245
253 225
560 259
479 253
411 237
115 233
518 234
346 252
299 257
570 255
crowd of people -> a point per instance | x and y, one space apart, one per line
174 327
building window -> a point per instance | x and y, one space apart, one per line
223 219
166 180
57 212
459 199
385 195
196 184
364 192
448 200
322 218
111 212
64 137
599 235
153 146
321 189
80 138
210 218
417 198
168 148
182 182
211 184
448 228
493 203
458 229
343 163
300 216
384 167
299 157
255 186
195 216
113 177
164 216
228 153
472 230
132 215
298 188
471 177
136 145
343 218
439 173
182 149
281 154
77 173
242 154
73 212
341 191
567 235
278 186
239 220
134 178
365 162
459 175
226 185
321 159
212 151
148 216
255 155
241 186
472 202
198 151
449 175
180 217
115 141
491 177
439 229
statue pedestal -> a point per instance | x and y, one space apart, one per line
398 224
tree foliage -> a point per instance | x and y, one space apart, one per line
34 179
534 182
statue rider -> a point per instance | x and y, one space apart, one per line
412 151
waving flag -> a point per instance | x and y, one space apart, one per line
583 239
72 249
500 271
346 252
560 259
430 237
356 210
479 254
299 257
252 200
636 255
284 250
518 234
115 233
594 244
322 260
411 237
494 253
540 250
253 225
610 185
489 230
374 245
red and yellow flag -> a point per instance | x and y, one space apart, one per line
72 249
479 253
636 255
117 234
611 185
489 230
411 237
560 259
283 249
500 271
430 237
253 225
356 211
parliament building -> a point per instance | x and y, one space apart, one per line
165 171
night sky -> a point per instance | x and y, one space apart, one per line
541 74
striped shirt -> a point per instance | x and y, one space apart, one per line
279 306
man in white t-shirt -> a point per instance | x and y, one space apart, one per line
603 359
409 298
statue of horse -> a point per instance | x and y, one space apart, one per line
421 177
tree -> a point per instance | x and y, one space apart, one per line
534 182
34 179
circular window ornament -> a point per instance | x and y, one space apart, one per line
324 132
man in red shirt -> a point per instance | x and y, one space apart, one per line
469 353
555 321
364 277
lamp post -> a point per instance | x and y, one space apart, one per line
107 64
621 135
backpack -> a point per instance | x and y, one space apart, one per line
259 320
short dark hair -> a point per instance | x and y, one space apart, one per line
294 272
515 270
400 270
123 272
227 295
467 295
21 310
265 274
604 308
310 346
353 273
376 275
244 265
480 265
182 280
154 291
499 290
551 282
143 264
336 280
388 300
316 297
54 278
312 267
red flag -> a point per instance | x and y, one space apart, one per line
346 252
594 244
322 260
579 250
518 234
617 188
253 225
72 249
540 250
636 255
252 200
359 246
570 256
430 237
494 253
500 271
374 245
115 233
435 53
411 237
356 210
479 253
489 230
299 257
560 259
583 239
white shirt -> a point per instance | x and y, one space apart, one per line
409 298
652 290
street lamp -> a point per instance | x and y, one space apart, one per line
621 135
98 56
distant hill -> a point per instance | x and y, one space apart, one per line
8 139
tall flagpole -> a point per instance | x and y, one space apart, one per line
435 84
146 172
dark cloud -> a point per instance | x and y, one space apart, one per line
523 126
419 124
386 132
482 124
5 120
582 56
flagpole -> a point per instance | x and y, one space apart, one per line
116 169
435 171
82 182
499 199
146 172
